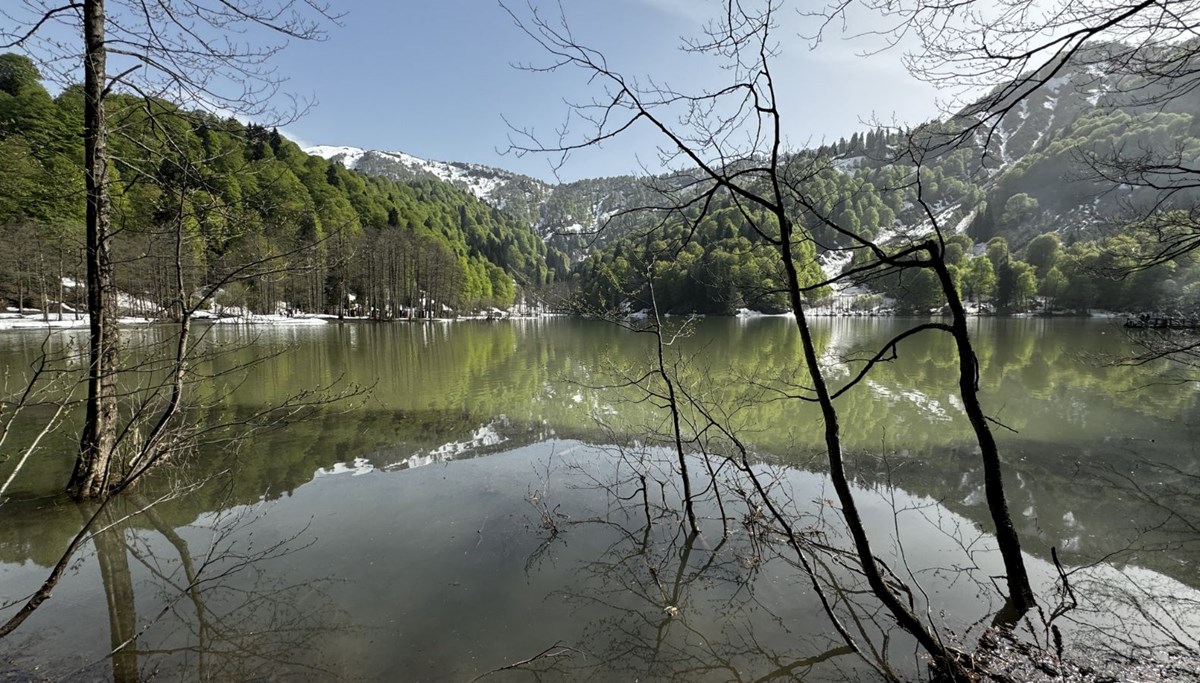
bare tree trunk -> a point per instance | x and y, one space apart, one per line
98 440
837 473
1020 593
154 447
42 284
673 405
62 296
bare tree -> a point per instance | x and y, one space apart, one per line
729 139
992 57
181 51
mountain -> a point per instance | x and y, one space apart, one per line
1035 177
1012 158
492 185
568 216
267 227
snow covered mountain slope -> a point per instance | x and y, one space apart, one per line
566 215
482 181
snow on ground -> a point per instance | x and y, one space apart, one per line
833 262
1055 84
963 224
848 163
36 322
1002 136
346 156
128 301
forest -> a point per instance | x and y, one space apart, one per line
939 497
1019 242
339 242
368 245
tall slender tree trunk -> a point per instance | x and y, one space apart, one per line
673 404
1020 592
837 473
42 282
62 296
98 440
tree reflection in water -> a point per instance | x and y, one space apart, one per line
663 603
204 602
732 602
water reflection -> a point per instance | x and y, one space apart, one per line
457 569
437 553
205 602
663 603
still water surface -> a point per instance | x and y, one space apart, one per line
375 541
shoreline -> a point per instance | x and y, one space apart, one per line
14 321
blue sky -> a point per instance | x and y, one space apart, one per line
434 79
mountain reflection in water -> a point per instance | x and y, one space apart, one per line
364 543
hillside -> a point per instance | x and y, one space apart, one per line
568 216
387 232
1031 195
246 200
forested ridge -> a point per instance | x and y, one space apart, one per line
1039 223
1036 225
337 241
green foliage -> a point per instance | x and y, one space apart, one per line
243 193
18 72
979 280
1042 252
715 266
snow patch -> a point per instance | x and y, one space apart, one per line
36 322
1055 84
833 262
359 466
346 156
481 181
848 163
483 437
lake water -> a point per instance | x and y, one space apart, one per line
501 492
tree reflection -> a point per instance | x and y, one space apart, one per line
212 605
733 602
113 558
665 603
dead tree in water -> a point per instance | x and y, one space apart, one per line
171 50
761 178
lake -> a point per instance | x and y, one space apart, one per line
502 494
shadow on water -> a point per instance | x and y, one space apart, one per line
560 559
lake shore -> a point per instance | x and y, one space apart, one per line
30 319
